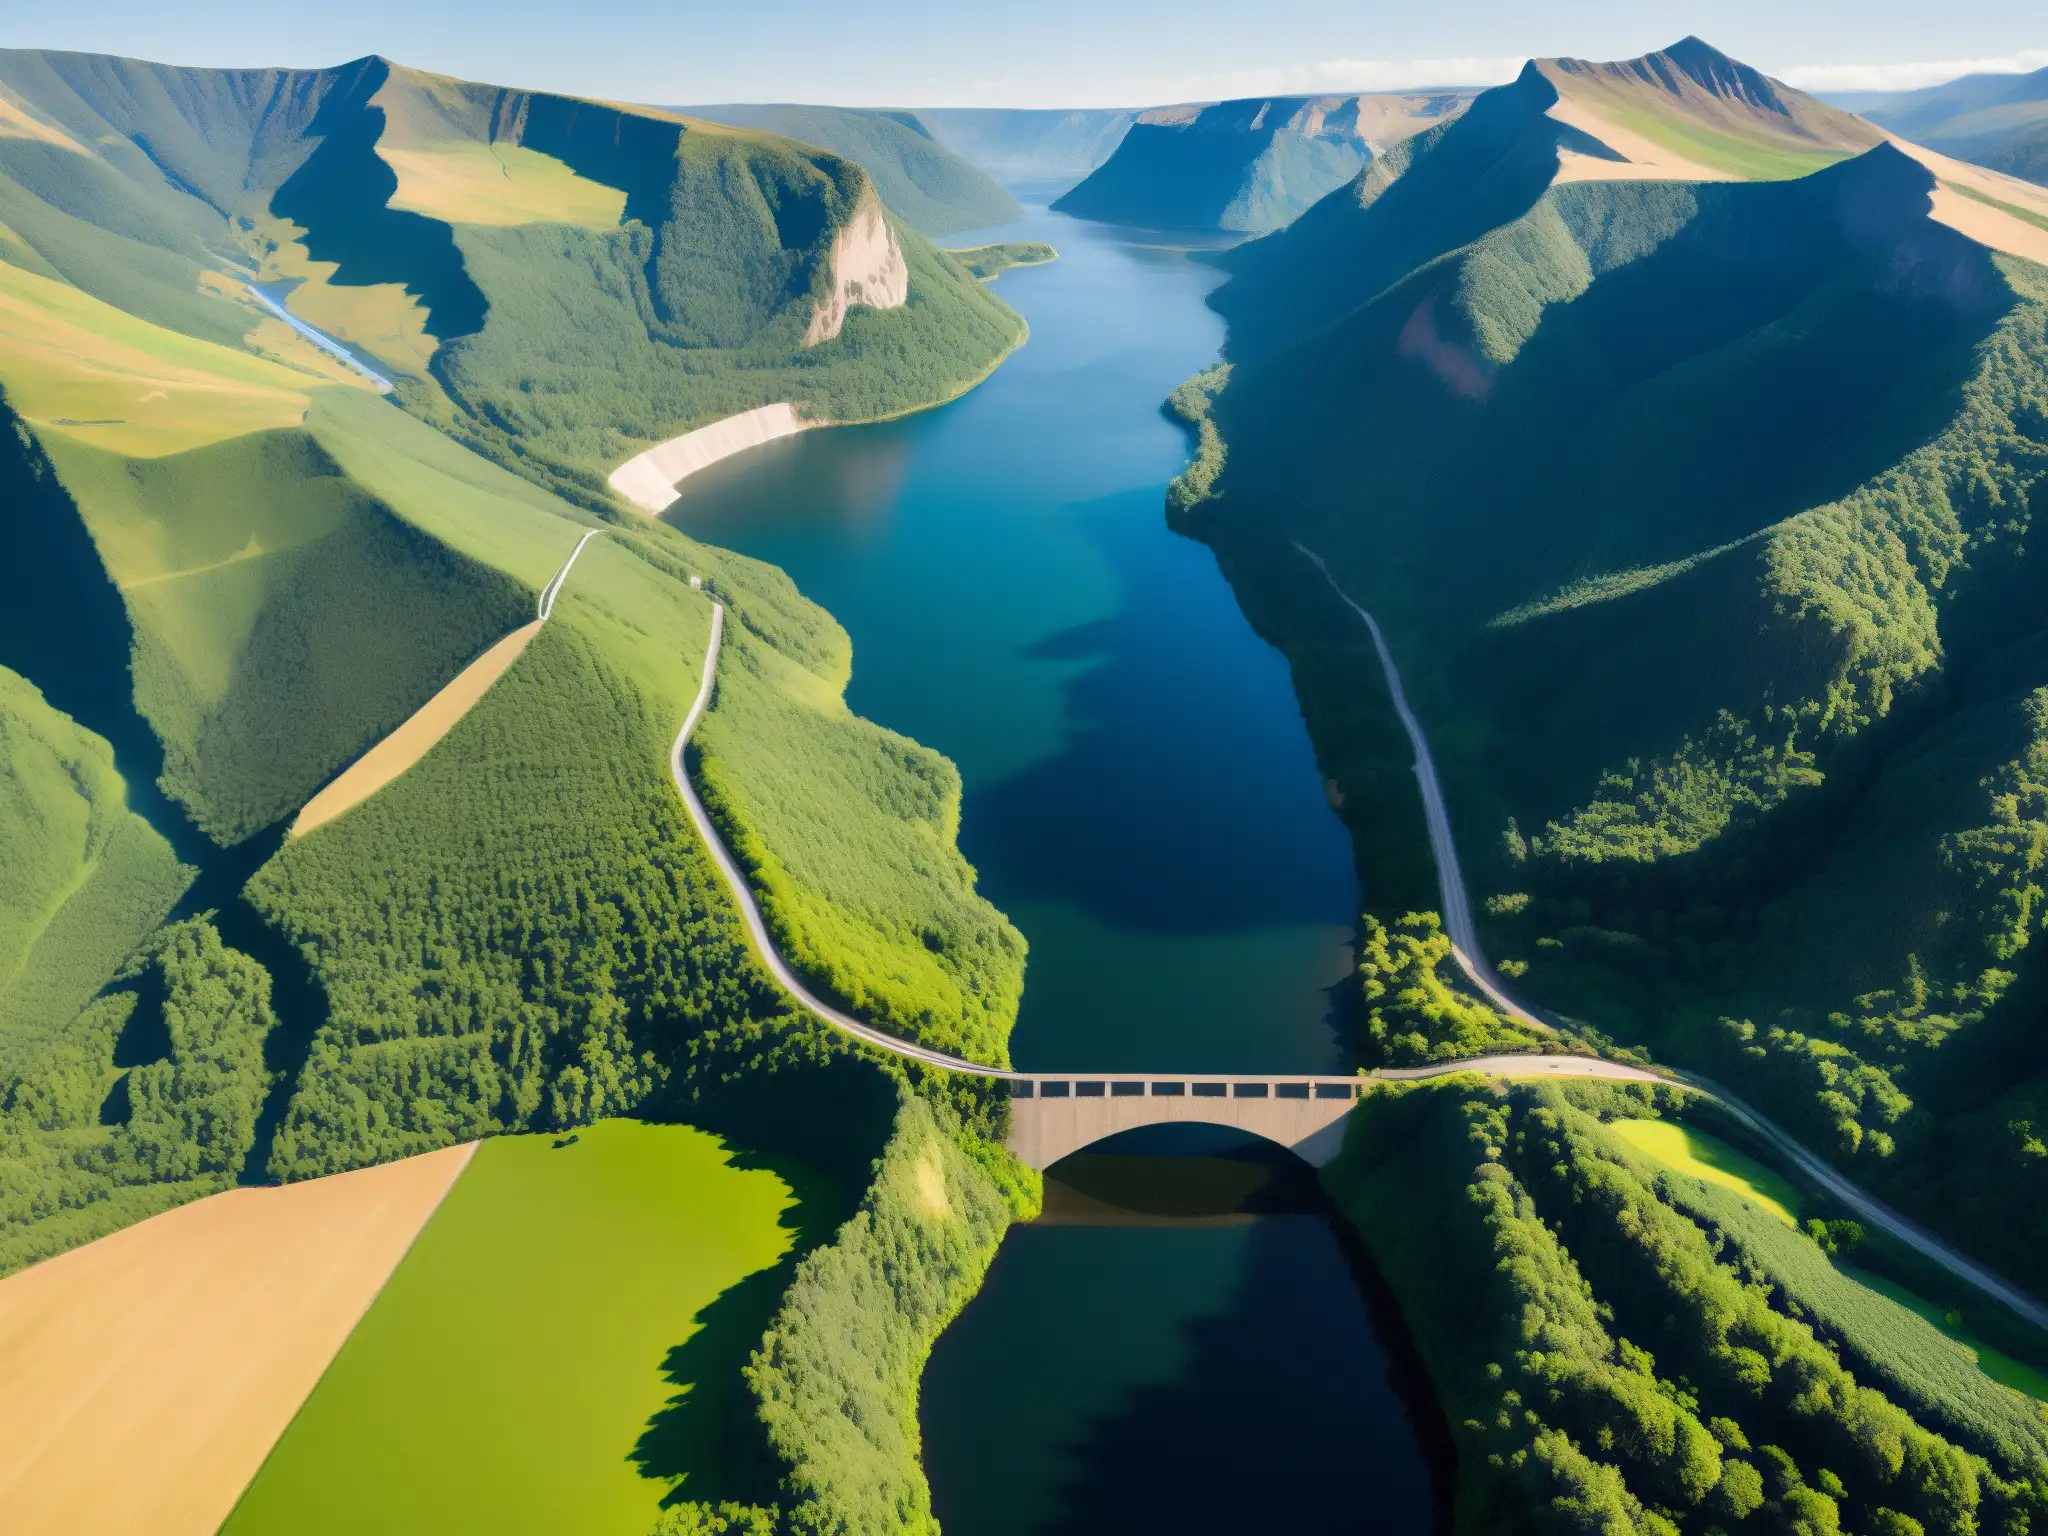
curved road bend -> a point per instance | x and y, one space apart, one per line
553 589
1472 959
750 910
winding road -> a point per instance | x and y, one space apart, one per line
750 909
1457 904
1465 942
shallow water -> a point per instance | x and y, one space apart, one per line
1142 802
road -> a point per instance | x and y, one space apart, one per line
1540 1067
1457 904
750 910
553 589
1465 941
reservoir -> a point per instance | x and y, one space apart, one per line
1184 1342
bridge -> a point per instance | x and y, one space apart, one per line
1053 1114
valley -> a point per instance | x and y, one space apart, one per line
1335 826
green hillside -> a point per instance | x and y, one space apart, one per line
131 1055
1249 166
670 272
924 183
1696 514
1999 121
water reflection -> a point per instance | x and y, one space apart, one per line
1181 1343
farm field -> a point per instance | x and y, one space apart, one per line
144 1376
506 1376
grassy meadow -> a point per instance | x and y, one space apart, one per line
556 1352
81 367
1712 1161
464 182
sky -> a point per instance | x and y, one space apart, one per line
1041 53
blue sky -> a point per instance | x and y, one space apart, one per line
1039 52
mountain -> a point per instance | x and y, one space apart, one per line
1683 436
1999 121
310 381
1249 165
671 271
920 179
1018 144
1696 513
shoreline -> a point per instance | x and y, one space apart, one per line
643 483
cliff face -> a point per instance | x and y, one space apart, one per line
867 267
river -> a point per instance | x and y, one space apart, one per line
1184 1342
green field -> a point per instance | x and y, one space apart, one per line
1713 1161
504 1379
988 262
1706 1157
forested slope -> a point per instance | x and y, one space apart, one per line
1697 513
1619 1347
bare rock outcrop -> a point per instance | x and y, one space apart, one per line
867 268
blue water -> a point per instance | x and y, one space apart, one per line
1142 802
1140 794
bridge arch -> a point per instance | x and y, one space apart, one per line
1052 1116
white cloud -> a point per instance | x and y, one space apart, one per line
1908 77
1325 77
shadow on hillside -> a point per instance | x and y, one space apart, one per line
65 628
1290 1414
708 1441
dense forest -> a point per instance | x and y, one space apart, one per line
1620 1347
